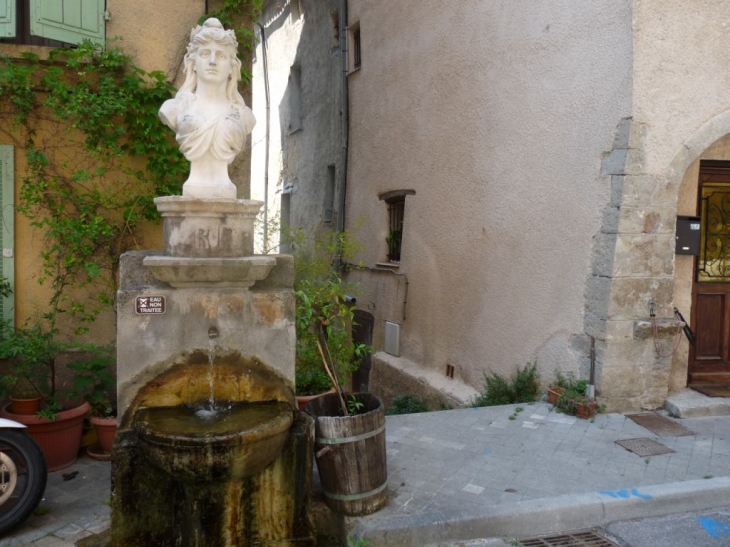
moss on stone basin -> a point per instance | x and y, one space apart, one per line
239 442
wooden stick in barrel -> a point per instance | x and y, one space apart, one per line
331 373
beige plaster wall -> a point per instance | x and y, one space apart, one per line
497 115
155 34
283 34
681 76
299 156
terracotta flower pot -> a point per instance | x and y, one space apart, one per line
554 395
25 406
59 439
586 410
106 429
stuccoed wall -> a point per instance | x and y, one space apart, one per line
154 33
498 115
680 108
298 158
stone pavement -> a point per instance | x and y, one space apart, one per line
74 507
499 472
459 475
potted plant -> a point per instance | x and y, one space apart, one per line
393 240
30 356
323 324
95 383
324 314
569 396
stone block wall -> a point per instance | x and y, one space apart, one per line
633 265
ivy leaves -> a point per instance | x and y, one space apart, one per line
97 155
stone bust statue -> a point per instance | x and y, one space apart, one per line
208 114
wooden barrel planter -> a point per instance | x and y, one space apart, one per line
350 454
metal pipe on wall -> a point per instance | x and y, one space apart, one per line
345 126
268 136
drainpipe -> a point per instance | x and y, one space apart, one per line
345 117
268 136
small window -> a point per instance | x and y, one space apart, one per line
335 17
329 195
396 210
396 202
355 56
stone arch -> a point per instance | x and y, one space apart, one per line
706 135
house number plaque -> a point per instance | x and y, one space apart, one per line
150 304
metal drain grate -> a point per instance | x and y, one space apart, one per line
645 447
573 539
659 425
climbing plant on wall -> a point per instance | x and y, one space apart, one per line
96 154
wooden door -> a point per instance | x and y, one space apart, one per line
709 359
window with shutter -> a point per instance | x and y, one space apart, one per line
7 18
7 230
52 23
68 20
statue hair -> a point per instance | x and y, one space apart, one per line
212 31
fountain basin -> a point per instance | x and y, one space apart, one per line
240 442
183 272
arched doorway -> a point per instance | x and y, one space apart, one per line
709 358
702 283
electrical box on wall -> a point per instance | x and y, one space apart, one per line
688 236
392 338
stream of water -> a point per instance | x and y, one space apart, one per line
211 410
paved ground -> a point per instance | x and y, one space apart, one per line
463 474
496 472
72 508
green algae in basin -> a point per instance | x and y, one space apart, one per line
237 443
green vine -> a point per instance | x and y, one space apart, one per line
97 155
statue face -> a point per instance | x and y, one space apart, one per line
213 63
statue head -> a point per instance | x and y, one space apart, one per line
212 31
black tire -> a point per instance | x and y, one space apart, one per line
22 460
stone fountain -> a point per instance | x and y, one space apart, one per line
210 450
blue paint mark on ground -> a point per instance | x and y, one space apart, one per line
486 452
714 527
624 494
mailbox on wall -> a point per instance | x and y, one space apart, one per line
688 236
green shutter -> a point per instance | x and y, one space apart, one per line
7 18
7 230
69 21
